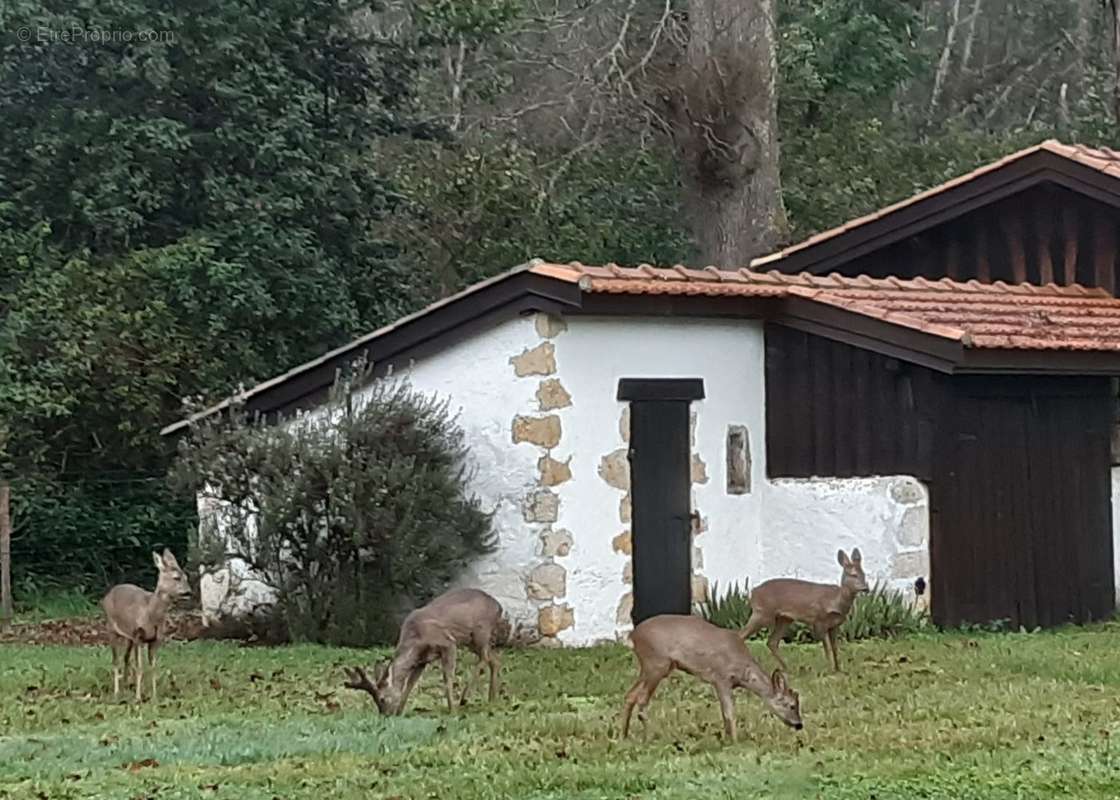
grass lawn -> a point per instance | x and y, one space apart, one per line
945 715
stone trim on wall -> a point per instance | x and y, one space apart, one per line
699 477
546 584
614 469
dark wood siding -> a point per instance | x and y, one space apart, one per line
1023 498
836 410
1017 468
1043 234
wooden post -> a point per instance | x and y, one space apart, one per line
5 558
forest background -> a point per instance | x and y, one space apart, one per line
260 182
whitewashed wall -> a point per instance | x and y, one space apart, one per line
561 507
887 518
591 356
476 375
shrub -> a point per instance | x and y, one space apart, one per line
881 613
352 514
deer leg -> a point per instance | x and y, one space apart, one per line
632 698
756 623
153 648
822 634
495 668
116 646
139 649
641 694
835 653
777 631
727 709
480 644
476 673
447 661
410 683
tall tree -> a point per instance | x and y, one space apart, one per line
723 113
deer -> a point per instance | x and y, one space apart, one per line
777 603
135 617
714 655
468 617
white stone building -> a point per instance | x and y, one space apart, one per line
640 437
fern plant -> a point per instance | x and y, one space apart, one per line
732 609
882 613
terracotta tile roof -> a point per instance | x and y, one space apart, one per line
979 315
1103 160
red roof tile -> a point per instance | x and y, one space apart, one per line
979 315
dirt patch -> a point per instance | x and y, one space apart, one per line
88 631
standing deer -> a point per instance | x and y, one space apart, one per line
460 617
777 603
135 617
714 655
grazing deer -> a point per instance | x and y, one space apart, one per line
135 617
715 655
777 603
460 617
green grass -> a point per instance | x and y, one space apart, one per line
927 716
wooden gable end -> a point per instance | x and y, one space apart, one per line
1046 233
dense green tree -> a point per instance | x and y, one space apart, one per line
183 211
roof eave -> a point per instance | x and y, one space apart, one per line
937 352
485 304
991 361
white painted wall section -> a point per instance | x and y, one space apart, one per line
591 357
477 377
887 518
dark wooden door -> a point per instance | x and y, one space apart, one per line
659 494
1021 529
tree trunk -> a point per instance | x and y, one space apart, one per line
1115 7
722 109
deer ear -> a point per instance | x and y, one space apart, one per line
169 559
778 680
157 560
841 559
856 557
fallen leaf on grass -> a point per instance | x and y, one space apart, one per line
136 766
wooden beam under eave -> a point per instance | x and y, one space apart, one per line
983 268
953 258
1044 232
1013 234
1070 232
1104 252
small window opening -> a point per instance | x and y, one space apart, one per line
738 460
